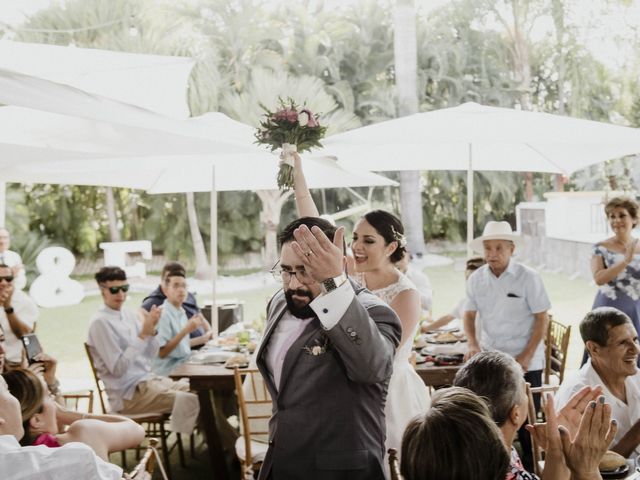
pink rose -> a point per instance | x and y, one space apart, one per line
312 122
287 114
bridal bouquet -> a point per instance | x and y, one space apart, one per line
293 129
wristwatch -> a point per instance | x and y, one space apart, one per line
331 284
8 311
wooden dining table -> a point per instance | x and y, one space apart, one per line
206 379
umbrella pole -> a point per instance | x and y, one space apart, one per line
213 244
470 202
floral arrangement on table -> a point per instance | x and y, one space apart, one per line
293 129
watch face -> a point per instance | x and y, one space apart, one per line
329 284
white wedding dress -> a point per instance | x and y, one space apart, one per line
408 396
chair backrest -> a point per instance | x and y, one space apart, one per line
557 347
145 468
99 384
72 400
536 450
393 464
254 405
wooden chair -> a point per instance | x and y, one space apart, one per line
536 450
557 347
154 422
145 468
393 464
254 406
72 400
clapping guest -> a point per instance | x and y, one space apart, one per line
12 259
174 327
615 263
201 334
456 439
497 378
18 315
612 341
40 416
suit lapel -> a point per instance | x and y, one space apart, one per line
260 360
295 351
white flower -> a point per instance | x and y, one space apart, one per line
317 350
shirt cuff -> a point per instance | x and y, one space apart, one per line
330 307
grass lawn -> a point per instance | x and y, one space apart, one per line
63 330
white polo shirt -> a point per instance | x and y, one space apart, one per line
506 306
626 414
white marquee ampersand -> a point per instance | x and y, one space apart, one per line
54 288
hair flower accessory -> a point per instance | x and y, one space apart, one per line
399 237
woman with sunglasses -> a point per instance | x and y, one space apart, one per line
378 242
18 315
41 417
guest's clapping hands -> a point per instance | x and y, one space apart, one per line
630 250
321 257
569 416
584 451
150 320
193 323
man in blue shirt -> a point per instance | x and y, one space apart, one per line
174 327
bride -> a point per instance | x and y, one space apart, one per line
378 242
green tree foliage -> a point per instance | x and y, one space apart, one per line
341 61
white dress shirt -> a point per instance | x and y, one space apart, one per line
329 308
506 306
121 357
73 461
626 414
27 312
11 259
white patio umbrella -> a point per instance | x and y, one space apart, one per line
155 82
132 147
476 137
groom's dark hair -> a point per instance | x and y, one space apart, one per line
286 235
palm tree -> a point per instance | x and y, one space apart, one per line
406 64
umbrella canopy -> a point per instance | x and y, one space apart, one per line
155 82
476 137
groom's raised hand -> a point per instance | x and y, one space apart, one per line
322 258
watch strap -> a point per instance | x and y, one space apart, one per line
8 310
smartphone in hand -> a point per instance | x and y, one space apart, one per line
31 346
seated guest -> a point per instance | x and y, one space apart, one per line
455 439
454 318
612 343
12 259
123 345
173 327
17 317
200 335
497 378
40 417
72 461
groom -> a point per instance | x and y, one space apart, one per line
326 357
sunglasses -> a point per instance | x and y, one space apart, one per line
7 278
119 288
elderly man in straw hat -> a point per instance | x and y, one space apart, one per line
510 300
511 303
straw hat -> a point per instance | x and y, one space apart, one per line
496 231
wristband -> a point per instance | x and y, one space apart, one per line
8 311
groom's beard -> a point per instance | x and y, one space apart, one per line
296 307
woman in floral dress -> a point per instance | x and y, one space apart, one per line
616 261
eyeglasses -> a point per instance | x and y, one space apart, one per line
285 275
118 288
7 278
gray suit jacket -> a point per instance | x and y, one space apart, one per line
328 414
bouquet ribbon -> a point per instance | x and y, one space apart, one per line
286 156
